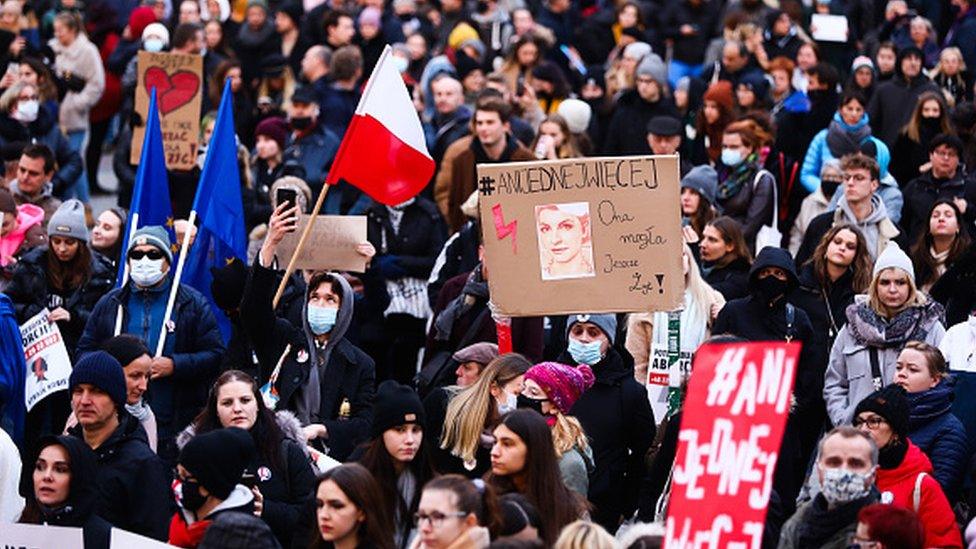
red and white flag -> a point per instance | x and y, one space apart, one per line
384 152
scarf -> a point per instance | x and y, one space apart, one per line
738 176
891 456
870 329
845 139
182 534
693 325
138 410
474 289
820 523
481 156
940 260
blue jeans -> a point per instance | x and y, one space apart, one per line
677 69
77 140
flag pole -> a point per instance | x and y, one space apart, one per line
330 180
184 246
133 227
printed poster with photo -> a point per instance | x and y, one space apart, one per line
595 235
48 365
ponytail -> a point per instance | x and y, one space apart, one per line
473 497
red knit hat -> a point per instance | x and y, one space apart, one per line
274 127
721 93
139 19
562 384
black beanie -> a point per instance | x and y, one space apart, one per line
125 348
228 283
891 403
395 404
101 370
218 459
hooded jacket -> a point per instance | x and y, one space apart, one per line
616 416
940 434
888 107
133 485
185 530
877 227
79 509
28 234
732 280
897 486
334 386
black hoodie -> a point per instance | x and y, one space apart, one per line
892 104
79 509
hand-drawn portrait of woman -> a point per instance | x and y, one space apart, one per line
565 243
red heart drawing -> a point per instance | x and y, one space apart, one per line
173 90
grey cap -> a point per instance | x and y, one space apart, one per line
652 65
69 221
606 322
704 180
153 235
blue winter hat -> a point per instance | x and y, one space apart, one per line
101 370
606 322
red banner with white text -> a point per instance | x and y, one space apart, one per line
731 428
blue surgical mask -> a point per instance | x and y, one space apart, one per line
585 353
731 157
321 319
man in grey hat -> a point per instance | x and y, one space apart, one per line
182 374
627 132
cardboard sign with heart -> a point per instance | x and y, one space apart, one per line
178 80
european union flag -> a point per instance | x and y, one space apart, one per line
150 197
221 236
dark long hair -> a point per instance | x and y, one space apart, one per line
69 275
265 431
925 265
860 267
731 233
473 497
544 487
364 492
380 463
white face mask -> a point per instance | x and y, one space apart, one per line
509 405
153 45
146 272
401 63
27 110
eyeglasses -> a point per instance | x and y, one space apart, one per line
151 254
872 422
435 518
856 177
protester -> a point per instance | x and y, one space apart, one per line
397 454
283 481
207 487
580 534
698 189
904 474
877 327
615 413
350 510
887 526
461 419
938 247
182 374
725 259
64 490
133 486
456 512
108 233
472 361
945 180
887 109
921 370
523 460
910 152
551 389
35 181
22 229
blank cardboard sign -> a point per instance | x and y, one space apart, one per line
330 246
590 235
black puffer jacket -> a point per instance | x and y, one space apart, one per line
732 280
79 510
133 485
29 290
618 420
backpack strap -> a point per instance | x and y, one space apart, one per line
755 185
790 314
875 368
917 493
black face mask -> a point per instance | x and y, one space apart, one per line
301 123
526 403
482 7
829 186
192 500
930 123
817 96
770 288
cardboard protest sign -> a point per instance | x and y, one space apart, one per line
178 79
330 246
48 365
594 235
731 429
39 536
123 539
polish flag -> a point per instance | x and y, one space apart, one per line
384 152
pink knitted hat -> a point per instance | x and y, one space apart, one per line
562 384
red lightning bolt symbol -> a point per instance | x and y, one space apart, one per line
502 230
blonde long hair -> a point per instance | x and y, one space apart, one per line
472 409
915 297
567 434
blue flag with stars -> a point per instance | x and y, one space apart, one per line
150 197
221 236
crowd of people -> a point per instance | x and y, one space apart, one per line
375 409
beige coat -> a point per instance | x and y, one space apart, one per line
81 59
